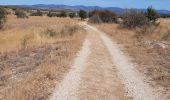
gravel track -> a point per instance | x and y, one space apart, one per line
99 69
67 88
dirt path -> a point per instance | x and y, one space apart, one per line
66 90
100 80
102 72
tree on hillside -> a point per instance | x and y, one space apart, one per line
152 14
2 17
82 14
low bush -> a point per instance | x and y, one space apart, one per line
38 13
20 14
54 14
104 16
72 15
63 14
95 19
2 17
50 14
133 19
82 14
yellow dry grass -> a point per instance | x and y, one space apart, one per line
24 80
151 58
30 31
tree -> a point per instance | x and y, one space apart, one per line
72 15
63 14
82 14
49 14
2 17
152 14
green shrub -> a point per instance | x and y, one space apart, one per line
2 17
72 15
82 14
152 14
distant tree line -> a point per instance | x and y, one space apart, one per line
130 19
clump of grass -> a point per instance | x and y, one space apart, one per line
166 36
69 30
25 40
50 33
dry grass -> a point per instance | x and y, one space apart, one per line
29 31
32 63
160 33
145 50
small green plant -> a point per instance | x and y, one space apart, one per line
82 14
152 14
2 17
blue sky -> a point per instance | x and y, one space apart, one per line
158 4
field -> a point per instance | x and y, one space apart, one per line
35 53
62 58
149 49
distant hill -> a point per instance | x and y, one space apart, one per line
80 7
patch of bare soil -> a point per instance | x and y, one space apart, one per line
152 58
33 73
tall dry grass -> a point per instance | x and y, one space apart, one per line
142 45
36 54
19 33
156 33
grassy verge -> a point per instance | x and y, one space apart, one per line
149 50
35 55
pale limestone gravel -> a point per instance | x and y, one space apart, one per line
131 77
68 87
100 80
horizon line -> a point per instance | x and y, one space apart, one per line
80 5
